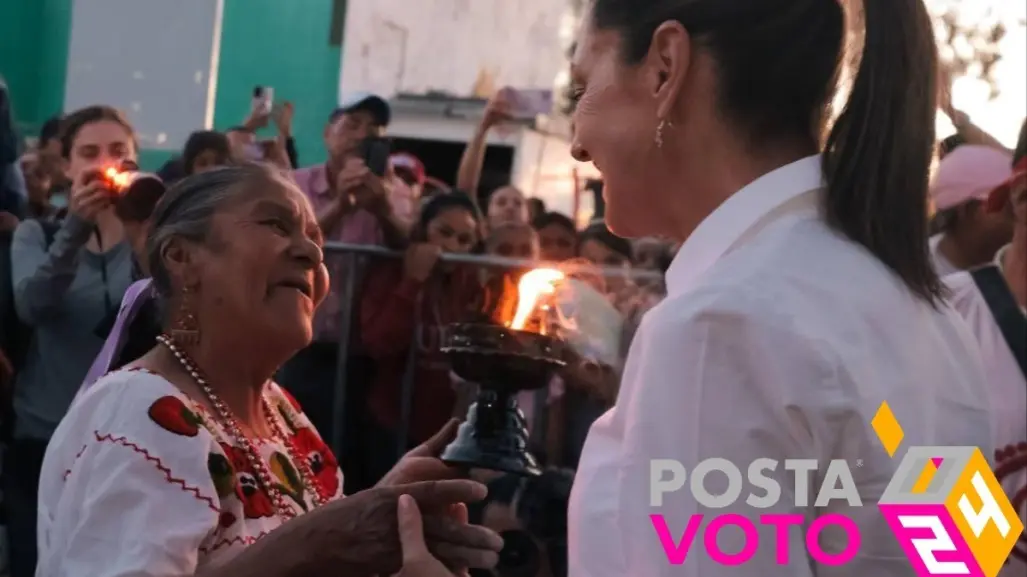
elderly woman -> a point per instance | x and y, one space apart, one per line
183 460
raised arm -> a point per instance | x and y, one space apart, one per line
468 176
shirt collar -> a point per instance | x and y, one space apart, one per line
719 231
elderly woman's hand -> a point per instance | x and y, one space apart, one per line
422 463
358 535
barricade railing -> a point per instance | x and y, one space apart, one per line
356 257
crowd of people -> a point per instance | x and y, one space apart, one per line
170 346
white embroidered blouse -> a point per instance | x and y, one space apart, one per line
140 480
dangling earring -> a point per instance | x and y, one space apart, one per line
659 132
186 331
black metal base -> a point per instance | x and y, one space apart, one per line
494 437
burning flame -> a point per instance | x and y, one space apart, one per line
119 180
532 287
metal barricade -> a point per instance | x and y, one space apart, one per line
356 260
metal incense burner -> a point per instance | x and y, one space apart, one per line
503 362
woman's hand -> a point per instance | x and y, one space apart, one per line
89 196
358 535
422 463
420 261
497 111
417 560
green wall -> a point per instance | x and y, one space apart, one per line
285 45
34 57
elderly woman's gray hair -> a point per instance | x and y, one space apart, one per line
187 210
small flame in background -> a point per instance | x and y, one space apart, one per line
120 180
532 289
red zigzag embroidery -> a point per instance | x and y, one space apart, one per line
160 467
247 540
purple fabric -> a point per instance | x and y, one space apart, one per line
134 298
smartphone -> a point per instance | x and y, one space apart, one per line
263 99
375 151
528 103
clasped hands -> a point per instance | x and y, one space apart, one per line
370 533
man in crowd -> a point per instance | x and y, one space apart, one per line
353 205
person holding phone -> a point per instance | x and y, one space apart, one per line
351 196
66 281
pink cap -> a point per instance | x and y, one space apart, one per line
970 172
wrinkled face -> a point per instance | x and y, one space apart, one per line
261 271
557 243
514 242
619 109
99 145
507 206
343 136
453 230
207 160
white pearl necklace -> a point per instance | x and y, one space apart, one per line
240 439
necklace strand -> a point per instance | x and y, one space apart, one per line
240 439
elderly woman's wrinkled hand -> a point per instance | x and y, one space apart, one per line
358 535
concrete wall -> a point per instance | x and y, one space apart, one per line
452 45
153 59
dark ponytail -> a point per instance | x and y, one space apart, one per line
878 154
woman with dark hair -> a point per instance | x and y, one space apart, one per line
68 278
557 236
191 460
204 150
402 307
803 296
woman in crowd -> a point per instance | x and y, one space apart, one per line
403 306
966 233
195 434
513 241
205 150
506 206
64 287
557 236
803 296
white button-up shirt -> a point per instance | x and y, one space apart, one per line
779 338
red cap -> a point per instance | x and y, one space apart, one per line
410 163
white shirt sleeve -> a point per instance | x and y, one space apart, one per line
122 496
717 384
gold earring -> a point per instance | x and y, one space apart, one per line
186 331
